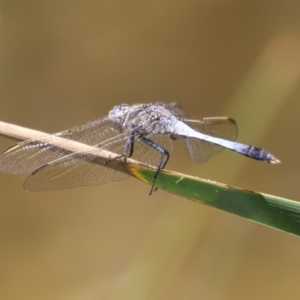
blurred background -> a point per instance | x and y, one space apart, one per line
66 62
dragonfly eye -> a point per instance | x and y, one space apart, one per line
117 113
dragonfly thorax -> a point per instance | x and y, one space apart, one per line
143 119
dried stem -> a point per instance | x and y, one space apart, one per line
22 133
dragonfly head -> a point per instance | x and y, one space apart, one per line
118 113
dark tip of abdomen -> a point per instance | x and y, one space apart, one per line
259 154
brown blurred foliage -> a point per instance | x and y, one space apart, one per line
66 62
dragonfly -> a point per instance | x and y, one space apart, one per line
144 132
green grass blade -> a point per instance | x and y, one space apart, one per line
276 212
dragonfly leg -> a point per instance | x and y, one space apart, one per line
161 163
128 150
129 146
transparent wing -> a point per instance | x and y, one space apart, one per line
78 169
29 155
89 169
176 109
221 127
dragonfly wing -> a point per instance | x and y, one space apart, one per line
91 133
221 127
74 172
176 109
200 151
79 169
29 155
91 169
